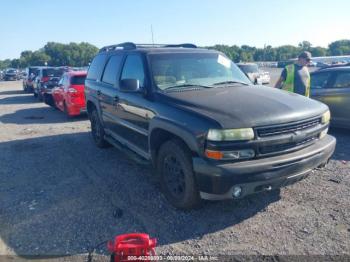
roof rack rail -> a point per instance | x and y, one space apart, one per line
186 45
126 45
131 45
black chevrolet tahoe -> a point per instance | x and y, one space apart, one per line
209 133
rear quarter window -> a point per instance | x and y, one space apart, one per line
96 67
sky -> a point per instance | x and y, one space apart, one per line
30 24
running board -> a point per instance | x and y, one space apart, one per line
129 153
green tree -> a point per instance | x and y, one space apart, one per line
318 51
341 47
305 45
39 58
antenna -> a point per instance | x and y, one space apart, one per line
152 34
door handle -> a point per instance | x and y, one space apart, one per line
98 92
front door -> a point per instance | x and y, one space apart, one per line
133 110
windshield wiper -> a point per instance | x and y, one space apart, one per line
186 85
229 82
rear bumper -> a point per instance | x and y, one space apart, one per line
76 109
216 181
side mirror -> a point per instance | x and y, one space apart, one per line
130 85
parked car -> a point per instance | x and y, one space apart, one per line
11 74
28 81
69 95
197 118
46 79
332 87
252 71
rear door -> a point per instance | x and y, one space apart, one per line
134 109
57 93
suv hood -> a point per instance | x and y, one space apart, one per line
246 106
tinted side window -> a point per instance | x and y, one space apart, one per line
133 69
342 80
96 67
112 69
320 80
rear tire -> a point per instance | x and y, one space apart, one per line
177 179
97 130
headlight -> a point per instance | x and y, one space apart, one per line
230 134
326 117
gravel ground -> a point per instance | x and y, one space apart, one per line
61 195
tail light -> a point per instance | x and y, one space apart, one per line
45 79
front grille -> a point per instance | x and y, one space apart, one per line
286 146
287 128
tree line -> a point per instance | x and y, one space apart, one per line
54 54
247 53
81 54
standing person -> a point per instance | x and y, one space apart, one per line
295 77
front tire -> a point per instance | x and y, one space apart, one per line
97 130
177 180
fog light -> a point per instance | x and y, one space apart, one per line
237 191
323 133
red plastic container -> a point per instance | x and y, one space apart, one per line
132 247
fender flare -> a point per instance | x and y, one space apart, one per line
174 128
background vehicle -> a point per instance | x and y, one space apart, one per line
69 94
207 130
254 74
28 80
46 79
332 87
11 74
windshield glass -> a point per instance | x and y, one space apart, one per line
194 69
78 80
53 72
33 70
249 68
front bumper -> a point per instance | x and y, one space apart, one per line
216 181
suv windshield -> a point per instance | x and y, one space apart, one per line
249 68
183 70
53 72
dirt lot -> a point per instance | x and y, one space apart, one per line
61 195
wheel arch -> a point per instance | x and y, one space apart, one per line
162 131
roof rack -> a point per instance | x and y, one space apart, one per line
131 46
126 45
334 66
